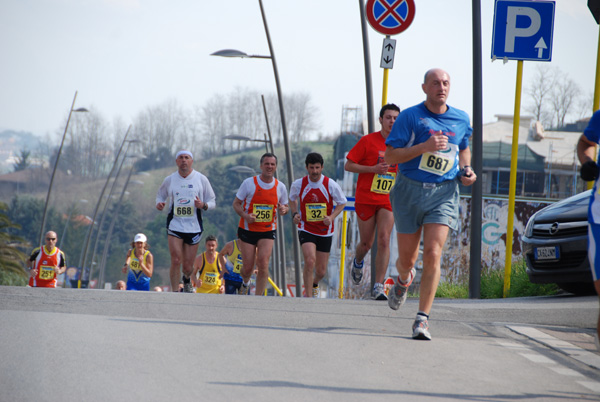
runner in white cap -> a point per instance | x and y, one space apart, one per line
190 193
140 264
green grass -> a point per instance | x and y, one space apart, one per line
492 285
452 291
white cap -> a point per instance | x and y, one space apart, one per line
140 237
184 152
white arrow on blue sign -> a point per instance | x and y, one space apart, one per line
523 30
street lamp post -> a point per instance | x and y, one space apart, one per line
110 196
89 233
288 155
110 230
62 142
262 97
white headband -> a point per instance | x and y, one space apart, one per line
188 153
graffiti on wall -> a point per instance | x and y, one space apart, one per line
494 220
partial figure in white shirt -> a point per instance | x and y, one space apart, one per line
190 193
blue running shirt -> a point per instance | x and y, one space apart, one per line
592 133
415 125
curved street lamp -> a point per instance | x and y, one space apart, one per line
288 154
89 233
62 142
243 169
111 195
245 138
237 53
112 225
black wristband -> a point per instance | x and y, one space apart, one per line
294 214
589 171
462 172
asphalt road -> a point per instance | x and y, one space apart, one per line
97 345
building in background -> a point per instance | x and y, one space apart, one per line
547 164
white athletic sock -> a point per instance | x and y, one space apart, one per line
401 282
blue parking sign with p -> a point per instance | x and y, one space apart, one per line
523 30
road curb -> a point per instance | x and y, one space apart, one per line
573 351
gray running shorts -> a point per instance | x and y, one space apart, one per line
415 203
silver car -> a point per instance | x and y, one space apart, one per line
555 245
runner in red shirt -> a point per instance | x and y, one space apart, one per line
258 201
315 202
373 208
46 263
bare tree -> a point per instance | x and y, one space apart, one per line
90 147
119 128
301 116
555 96
241 113
238 113
245 113
212 116
272 105
540 91
585 105
565 93
162 127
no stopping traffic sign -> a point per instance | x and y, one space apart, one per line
390 17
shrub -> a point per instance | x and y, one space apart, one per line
492 285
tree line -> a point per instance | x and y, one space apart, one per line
23 215
92 141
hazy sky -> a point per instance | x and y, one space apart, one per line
125 55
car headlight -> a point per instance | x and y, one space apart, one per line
529 226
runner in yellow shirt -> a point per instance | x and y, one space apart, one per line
207 276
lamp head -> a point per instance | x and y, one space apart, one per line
229 53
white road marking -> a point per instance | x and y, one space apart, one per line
577 353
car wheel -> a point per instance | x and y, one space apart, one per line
578 288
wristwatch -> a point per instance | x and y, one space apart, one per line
205 207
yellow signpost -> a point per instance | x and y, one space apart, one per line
513 41
513 179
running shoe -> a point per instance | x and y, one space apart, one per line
421 329
315 292
188 287
379 292
397 294
243 289
356 272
